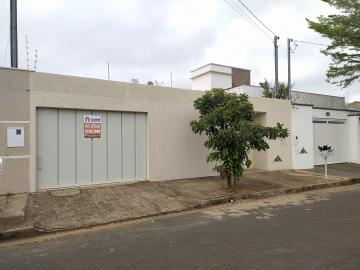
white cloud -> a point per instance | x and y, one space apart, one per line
148 39
188 16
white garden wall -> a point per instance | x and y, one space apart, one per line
354 128
302 137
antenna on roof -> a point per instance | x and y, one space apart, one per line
171 79
27 51
157 83
108 70
36 59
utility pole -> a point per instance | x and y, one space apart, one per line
171 80
13 33
289 40
276 47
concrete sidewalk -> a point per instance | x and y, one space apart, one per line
348 170
65 209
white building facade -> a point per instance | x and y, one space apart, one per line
316 120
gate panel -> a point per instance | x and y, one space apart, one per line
67 148
99 155
128 143
332 133
83 152
67 158
47 141
140 152
115 149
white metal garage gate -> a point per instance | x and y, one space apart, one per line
332 132
66 157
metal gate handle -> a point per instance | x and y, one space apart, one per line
39 162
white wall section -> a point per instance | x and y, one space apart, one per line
354 132
302 137
211 76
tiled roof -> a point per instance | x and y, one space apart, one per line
354 105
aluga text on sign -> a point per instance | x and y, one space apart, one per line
92 126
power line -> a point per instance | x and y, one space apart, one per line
311 55
276 47
310 43
247 18
244 16
258 27
249 10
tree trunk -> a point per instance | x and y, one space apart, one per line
222 171
230 181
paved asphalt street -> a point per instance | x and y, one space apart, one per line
313 230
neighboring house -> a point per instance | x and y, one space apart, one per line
316 120
214 76
354 105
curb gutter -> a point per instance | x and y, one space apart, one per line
27 232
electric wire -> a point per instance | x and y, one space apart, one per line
310 43
249 10
246 17
237 10
311 55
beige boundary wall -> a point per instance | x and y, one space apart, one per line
14 112
173 151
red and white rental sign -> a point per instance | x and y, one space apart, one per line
92 126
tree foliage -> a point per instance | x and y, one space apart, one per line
228 121
343 30
269 91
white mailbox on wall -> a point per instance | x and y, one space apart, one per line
15 137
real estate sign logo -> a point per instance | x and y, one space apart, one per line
92 126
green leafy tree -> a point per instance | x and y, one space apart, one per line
283 91
228 121
343 30
269 91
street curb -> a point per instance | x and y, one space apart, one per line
24 232
276 192
28 232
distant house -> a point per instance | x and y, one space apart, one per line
316 119
219 76
354 105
